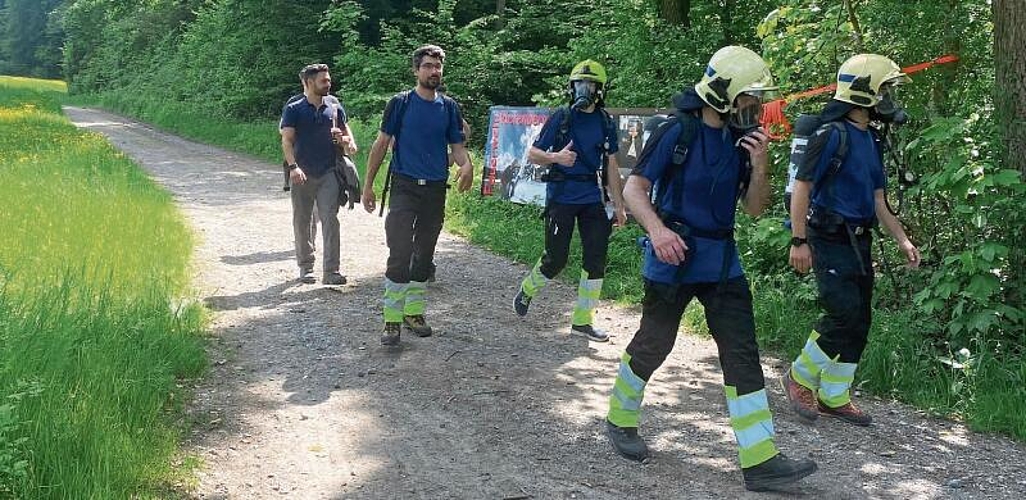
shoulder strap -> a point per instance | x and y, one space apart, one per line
401 102
836 160
563 112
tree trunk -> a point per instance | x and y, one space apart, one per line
500 10
728 22
676 12
1010 84
854 20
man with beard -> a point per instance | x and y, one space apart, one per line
424 125
308 140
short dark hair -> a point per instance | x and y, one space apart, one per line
310 71
428 51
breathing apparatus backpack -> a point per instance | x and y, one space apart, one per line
805 128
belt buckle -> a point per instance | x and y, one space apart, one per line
859 230
422 182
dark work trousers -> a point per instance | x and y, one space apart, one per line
845 293
594 226
728 312
415 215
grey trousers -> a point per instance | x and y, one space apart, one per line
323 192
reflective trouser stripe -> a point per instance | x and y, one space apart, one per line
534 281
628 391
588 293
810 363
415 301
835 384
394 300
752 422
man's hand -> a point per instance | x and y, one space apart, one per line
669 246
297 177
349 145
465 177
368 199
801 258
757 144
621 216
565 156
911 253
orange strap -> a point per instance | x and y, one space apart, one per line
774 119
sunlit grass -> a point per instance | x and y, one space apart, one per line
94 328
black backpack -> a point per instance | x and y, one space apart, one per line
690 125
805 128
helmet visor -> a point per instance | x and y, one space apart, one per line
747 111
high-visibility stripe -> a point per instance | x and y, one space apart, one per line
588 293
752 423
394 300
415 298
810 363
835 384
534 281
750 457
628 393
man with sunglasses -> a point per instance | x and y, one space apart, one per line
424 124
834 207
690 253
308 139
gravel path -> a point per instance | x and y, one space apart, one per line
302 402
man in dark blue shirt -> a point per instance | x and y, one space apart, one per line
834 207
311 129
691 254
579 142
424 125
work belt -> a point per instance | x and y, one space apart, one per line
419 182
689 233
834 228
556 174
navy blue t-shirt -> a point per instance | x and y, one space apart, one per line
422 139
588 131
703 194
315 153
851 191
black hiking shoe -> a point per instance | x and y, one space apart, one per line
521 302
391 335
417 324
776 473
593 334
307 276
627 442
333 279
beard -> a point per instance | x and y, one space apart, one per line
431 82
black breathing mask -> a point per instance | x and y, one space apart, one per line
583 93
889 109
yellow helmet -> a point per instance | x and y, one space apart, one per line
732 71
589 70
860 78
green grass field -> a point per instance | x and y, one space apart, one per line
94 326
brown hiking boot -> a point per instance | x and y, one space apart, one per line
803 400
848 413
418 325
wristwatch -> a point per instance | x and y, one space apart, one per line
293 166
797 242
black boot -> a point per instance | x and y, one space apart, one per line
777 473
627 442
